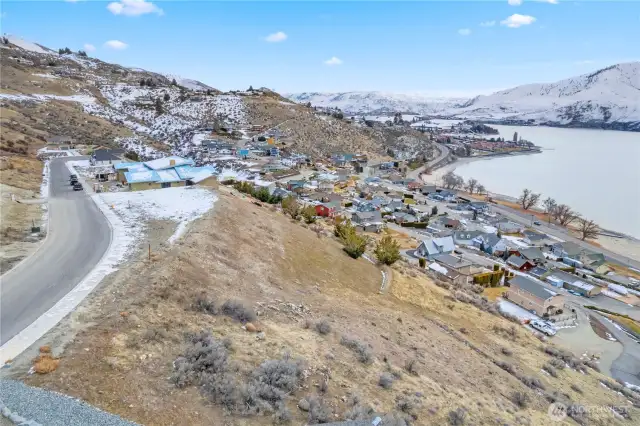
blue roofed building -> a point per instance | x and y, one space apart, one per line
165 173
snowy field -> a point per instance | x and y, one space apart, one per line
181 205
513 309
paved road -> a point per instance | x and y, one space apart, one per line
561 233
444 152
78 237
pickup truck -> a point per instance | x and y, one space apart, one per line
543 327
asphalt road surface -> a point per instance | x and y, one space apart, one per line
78 236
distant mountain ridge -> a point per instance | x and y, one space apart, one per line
607 98
377 102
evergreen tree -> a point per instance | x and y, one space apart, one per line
159 107
166 97
174 82
142 82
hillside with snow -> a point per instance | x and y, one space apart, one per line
376 103
607 98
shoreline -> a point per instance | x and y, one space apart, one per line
615 241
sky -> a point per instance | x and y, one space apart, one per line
439 48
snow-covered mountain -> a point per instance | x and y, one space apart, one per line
607 98
376 103
189 83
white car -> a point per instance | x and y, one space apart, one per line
544 327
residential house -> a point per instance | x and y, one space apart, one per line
427 189
414 185
507 227
326 185
444 195
536 239
281 192
59 142
532 254
520 263
449 223
366 217
491 244
295 184
366 206
574 251
447 274
401 217
328 209
165 173
533 296
463 267
465 238
394 206
396 179
435 246
105 157
561 277
538 272
478 206
584 289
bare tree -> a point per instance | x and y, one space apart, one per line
564 215
549 205
472 184
451 180
588 229
528 199
480 189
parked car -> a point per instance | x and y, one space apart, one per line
77 186
537 222
544 327
73 176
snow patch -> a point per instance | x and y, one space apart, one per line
182 205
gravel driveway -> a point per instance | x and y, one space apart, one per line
42 407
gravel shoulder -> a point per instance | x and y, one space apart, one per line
50 408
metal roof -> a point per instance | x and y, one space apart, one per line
532 287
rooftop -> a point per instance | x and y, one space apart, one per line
532 287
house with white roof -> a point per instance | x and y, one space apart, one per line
435 246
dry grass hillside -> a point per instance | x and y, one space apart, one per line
323 343
313 134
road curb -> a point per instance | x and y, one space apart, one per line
69 302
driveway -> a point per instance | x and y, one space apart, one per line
78 236
582 339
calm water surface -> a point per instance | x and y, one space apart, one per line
596 172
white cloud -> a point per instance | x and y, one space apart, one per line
487 23
464 31
116 44
333 61
586 62
89 47
516 20
133 8
514 2
548 1
276 37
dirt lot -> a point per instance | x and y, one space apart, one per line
135 328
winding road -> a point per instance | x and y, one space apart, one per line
78 236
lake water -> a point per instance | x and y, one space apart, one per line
596 172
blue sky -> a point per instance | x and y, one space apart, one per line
434 47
